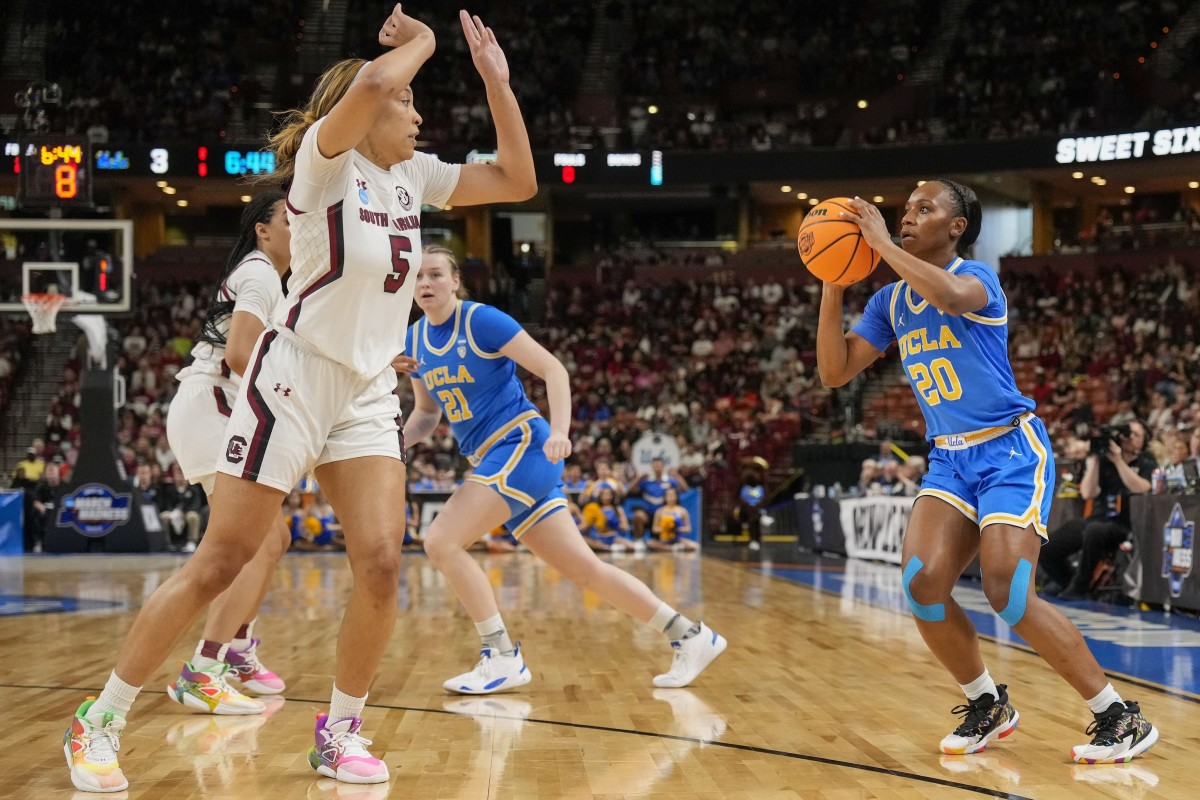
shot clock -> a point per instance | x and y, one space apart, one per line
55 171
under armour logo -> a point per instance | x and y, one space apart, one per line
281 389
1012 451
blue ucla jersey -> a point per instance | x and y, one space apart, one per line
957 365
461 365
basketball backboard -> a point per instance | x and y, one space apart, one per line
89 260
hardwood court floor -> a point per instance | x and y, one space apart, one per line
818 696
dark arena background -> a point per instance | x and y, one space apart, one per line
677 146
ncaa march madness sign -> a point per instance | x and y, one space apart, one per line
1178 536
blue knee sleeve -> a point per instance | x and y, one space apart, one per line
1018 590
934 612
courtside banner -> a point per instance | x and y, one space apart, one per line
874 526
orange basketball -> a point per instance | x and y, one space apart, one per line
833 248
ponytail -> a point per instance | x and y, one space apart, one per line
438 250
257 210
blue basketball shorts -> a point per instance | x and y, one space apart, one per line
997 475
517 469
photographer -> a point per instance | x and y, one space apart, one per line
1116 469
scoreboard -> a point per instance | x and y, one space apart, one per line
54 171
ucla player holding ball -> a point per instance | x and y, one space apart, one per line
467 354
991 470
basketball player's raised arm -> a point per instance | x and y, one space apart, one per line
380 81
511 178
840 354
425 416
541 362
947 292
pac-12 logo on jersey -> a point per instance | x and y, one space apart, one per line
462 349
404 197
362 191
236 451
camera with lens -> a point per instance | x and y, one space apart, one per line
1102 437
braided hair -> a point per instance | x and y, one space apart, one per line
257 210
966 205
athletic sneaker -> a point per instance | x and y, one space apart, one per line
985 719
1118 734
692 656
493 673
249 673
91 745
341 753
208 691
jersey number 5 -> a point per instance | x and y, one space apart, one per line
400 266
941 372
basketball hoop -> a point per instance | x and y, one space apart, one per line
43 308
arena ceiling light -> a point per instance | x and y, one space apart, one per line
1076 175
160 184
246 198
801 195
169 190
862 104
812 201
1130 190
785 189
877 198
181 203
652 109
1194 184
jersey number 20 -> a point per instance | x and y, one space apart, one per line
400 265
941 372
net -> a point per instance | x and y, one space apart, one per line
43 308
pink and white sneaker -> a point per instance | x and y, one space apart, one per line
341 753
249 672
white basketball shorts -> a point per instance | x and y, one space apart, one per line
298 410
196 427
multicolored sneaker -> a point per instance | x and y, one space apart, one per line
250 673
91 745
208 691
1118 734
692 656
493 673
341 753
985 719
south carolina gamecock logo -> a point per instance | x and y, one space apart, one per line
236 451
806 243
404 197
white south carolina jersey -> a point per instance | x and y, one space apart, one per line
356 250
252 286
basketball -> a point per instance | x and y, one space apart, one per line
832 248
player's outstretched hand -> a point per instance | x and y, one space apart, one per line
557 447
399 28
485 50
405 365
874 229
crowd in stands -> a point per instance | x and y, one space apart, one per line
746 76
724 367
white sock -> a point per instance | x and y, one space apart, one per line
1100 703
675 625
981 686
344 706
493 634
117 697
